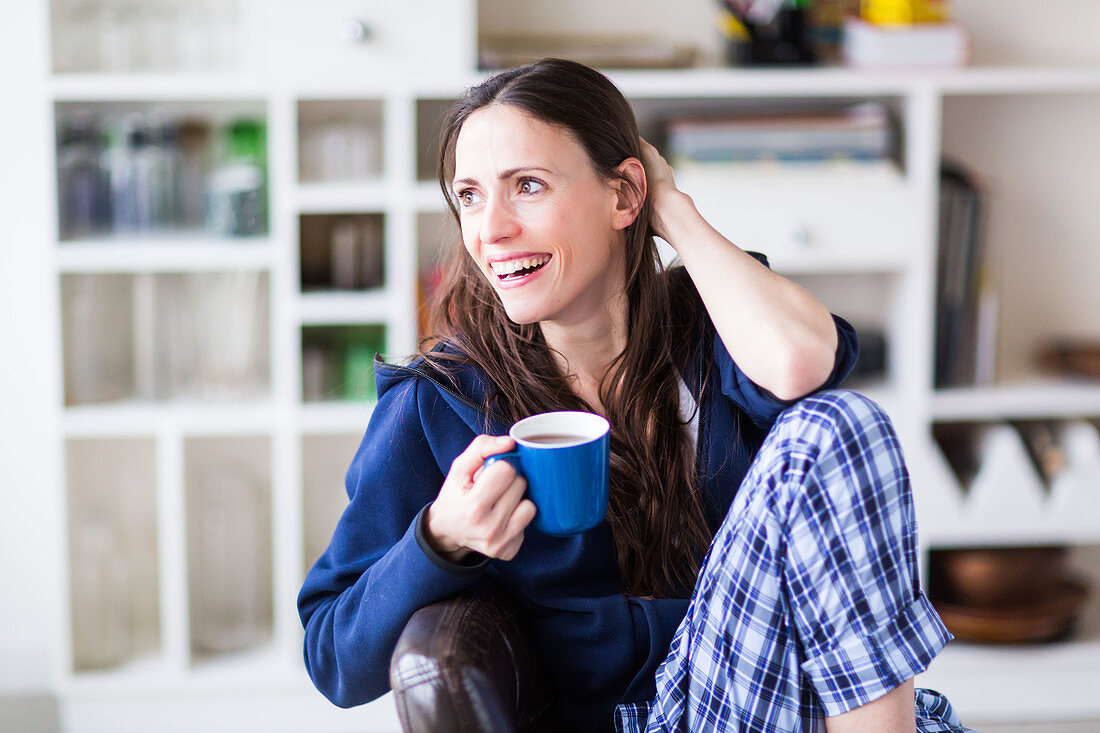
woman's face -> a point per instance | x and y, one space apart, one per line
536 218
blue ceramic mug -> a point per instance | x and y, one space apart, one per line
565 457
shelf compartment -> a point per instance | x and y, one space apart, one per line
337 362
120 37
113 550
144 336
340 140
161 168
229 544
978 678
1037 165
342 252
429 118
325 460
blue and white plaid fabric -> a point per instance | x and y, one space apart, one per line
808 603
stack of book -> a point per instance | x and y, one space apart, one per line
966 305
861 135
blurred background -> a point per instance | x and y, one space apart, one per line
217 212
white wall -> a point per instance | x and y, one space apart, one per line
1024 31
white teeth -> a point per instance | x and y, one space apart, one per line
510 266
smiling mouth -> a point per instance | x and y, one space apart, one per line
516 269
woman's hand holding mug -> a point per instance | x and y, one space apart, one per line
480 510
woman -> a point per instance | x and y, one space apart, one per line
806 607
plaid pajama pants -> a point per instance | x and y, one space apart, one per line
808 603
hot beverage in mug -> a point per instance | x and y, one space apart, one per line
556 439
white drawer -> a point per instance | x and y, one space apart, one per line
813 227
347 38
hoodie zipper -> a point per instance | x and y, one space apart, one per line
699 432
449 390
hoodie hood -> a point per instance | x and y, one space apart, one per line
464 388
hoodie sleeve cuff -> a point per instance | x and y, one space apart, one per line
473 564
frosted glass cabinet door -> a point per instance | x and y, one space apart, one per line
229 550
112 550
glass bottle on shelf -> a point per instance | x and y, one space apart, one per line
151 167
193 137
237 190
119 171
81 181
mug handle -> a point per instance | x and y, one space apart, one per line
511 457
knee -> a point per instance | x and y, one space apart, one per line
836 413
844 438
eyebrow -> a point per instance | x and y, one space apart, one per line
504 174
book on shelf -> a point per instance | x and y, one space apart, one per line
854 136
966 300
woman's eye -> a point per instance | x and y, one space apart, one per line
530 185
467 197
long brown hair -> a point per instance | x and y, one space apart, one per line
655 514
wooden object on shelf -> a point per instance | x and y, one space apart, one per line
996 577
1071 357
1005 594
1048 619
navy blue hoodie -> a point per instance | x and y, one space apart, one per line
598 646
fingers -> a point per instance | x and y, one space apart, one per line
470 460
483 508
498 494
518 522
507 503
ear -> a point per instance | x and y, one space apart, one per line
628 200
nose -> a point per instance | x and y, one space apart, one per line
498 221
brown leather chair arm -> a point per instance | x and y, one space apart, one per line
465 664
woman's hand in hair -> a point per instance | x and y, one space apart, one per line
480 509
661 190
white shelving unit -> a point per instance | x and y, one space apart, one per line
864 245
